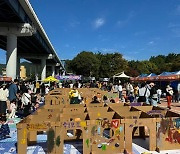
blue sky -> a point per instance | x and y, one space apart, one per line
138 29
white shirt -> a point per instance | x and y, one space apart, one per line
26 98
46 90
4 94
143 90
119 88
159 91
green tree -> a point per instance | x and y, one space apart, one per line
86 64
111 64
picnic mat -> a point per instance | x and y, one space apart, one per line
8 145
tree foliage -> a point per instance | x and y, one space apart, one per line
106 65
85 63
111 64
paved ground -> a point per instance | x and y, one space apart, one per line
174 105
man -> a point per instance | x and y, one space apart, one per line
13 91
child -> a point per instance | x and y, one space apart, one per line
4 130
12 110
131 97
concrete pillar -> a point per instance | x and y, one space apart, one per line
53 71
11 63
43 65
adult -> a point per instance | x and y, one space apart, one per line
23 88
4 93
136 89
120 89
13 91
169 94
143 93
153 94
159 93
37 87
178 89
42 87
26 102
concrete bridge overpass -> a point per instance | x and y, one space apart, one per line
22 36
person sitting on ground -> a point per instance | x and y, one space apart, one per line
112 100
4 130
74 95
35 107
105 99
131 97
95 100
12 109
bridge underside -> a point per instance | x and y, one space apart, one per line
30 45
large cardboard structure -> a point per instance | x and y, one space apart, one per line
103 128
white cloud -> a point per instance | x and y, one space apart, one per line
150 43
104 50
128 57
176 32
175 28
108 50
74 23
122 23
99 22
178 10
140 33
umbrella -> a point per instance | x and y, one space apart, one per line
50 79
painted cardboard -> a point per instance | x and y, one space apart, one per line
104 128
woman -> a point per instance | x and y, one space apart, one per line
4 93
169 94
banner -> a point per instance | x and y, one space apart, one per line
69 77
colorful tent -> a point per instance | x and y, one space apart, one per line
50 79
165 76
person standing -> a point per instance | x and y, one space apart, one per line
4 93
169 94
153 94
13 91
159 93
178 89
120 89
26 102
143 93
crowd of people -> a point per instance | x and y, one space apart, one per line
150 93
19 99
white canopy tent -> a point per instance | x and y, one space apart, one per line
121 75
